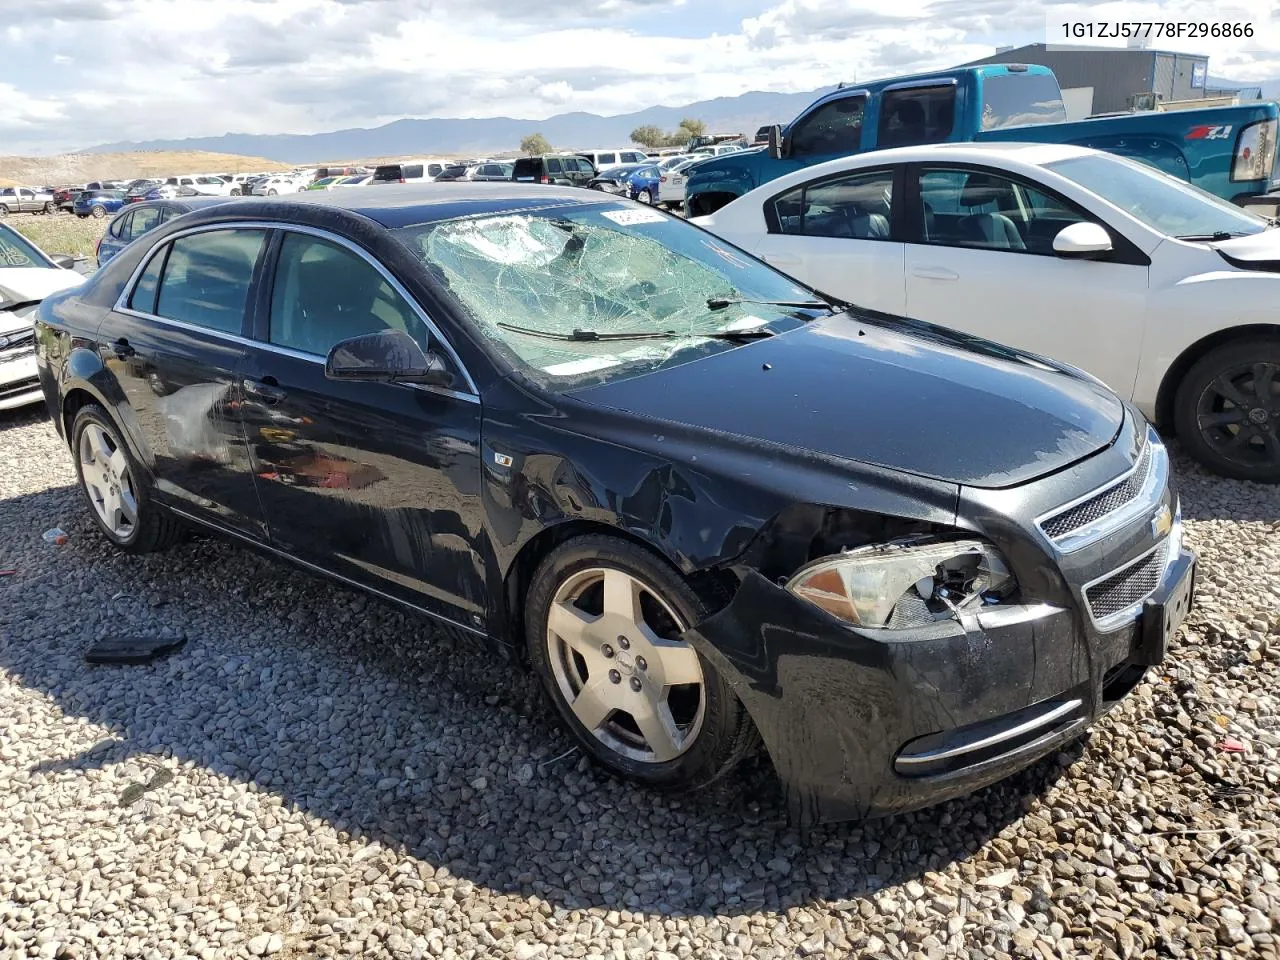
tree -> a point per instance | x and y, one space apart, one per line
535 143
649 136
691 127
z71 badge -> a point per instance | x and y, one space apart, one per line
1205 132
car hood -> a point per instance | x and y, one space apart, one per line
25 284
1259 251
925 401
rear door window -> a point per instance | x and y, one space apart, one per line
435 169
834 127
853 207
553 165
923 115
143 220
207 278
606 158
412 171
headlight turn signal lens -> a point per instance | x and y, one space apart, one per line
906 585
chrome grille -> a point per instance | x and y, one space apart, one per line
1098 506
1128 586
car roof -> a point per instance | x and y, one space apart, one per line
402 205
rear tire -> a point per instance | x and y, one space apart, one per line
644 196
98 212
50 209
109 475
4 211
1227 410
609 690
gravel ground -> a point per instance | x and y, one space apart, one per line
318 774
61 233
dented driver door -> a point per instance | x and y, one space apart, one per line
378 483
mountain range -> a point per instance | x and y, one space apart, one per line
579 131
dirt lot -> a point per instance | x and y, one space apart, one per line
319 774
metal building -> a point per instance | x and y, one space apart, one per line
1117 74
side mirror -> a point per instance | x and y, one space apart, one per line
1082 241
65 260
775 142
386 356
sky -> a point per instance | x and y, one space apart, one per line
80 72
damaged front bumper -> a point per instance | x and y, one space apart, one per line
862 723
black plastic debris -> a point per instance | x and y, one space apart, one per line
134 791
131 650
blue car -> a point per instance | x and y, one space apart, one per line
97 203
139 218
644 183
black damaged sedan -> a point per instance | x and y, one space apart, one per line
708 507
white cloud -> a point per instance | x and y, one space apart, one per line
89 71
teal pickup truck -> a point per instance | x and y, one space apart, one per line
1229 151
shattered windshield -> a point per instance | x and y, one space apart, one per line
16 251
602 290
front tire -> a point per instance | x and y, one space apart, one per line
98 212
602 623
272 192
1227 410
116 488
4 211
50 209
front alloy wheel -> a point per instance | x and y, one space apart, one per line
604 622
645 196
1228 410
98 211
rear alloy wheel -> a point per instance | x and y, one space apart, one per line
603 623
4 211
1227 410
50 208
644 196
98 211
272 192
115 486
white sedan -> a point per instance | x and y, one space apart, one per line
27 276
1166 293
271 186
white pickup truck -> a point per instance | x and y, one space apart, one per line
200 186
25 200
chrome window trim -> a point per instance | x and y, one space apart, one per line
1158 471
121 304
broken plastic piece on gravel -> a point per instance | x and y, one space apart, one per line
8 573
1231 745
55 535
128 650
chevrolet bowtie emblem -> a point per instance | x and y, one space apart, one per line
1162 522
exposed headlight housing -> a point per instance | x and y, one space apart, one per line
905 585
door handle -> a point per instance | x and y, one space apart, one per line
934 273
266 389
123 350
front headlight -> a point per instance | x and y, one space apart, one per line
907 584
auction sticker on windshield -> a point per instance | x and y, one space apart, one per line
627 218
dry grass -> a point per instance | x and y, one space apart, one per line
61 233
83 167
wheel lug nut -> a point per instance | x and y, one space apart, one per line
635 684
615 676
624 643
607 650
642 663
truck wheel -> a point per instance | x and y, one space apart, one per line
1227 410
4 211
50 209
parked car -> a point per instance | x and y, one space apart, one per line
202 185
644 183
718 149
238 183
558 169
278 183
140 218
324 183
605 159
104 185
409 171
491 171
63 197
25 200
97 203
605 422
1159 289
359 180
671 184
1229 151
27 276
617 179
136 190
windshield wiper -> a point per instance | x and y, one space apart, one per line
1216 235
719 303
588 336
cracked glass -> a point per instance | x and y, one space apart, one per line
601 269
